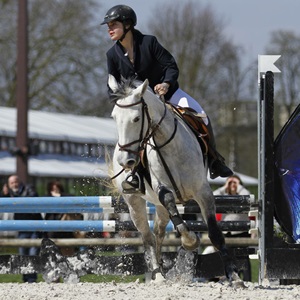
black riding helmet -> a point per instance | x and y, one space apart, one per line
123 14
120 13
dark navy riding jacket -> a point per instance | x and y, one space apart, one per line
151 61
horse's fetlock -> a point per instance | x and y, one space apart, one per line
176 220
181 228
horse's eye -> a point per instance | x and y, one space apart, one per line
136 119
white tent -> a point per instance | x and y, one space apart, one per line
71 128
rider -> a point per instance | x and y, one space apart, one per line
142 56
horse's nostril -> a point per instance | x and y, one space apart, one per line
131 162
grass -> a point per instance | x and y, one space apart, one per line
17 278
254 269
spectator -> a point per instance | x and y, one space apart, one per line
56 189
18 189
233 186
6 215
5 191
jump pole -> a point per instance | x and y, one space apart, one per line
107 204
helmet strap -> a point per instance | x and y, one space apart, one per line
125 31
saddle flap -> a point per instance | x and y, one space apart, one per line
195 122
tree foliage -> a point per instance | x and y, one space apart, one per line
287 44
209 63
211 70
67 63
66 56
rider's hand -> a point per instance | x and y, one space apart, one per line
161 88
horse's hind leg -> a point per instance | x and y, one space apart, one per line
189 239
215 234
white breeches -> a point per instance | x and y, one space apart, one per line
181 98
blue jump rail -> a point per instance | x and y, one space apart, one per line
110 226
107 204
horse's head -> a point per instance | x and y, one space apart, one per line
131 119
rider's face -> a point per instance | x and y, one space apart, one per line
115 30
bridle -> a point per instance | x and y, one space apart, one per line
143 140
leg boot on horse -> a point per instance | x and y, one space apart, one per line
190 241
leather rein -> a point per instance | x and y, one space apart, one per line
144 140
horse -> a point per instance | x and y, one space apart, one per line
175 165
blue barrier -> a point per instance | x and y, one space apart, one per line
110 226
107 204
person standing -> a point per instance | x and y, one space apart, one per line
17 189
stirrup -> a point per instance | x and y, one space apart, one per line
133 187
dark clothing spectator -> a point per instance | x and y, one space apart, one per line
56 189
18 189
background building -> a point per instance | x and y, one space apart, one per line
65 147
70 148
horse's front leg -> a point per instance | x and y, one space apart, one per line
138 214
189 239
160 224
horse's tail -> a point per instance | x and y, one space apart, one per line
107 182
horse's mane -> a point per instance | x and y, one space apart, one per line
125 88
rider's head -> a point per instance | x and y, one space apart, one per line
123 14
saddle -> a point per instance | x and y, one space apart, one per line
195 122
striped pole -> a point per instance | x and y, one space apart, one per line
107 204
111 226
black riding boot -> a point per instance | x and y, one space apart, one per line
133 184
216 161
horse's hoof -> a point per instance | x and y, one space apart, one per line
239 284
190 241
157 277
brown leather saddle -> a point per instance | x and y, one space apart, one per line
196 124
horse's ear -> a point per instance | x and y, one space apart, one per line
142 88
112 83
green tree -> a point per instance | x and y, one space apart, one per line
211 70
287 83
